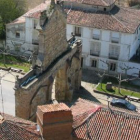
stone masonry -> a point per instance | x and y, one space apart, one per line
56 65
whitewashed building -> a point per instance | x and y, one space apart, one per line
21 34
110 34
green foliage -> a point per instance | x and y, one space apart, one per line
9 11
15 62
116 92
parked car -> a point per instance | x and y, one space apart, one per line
123 103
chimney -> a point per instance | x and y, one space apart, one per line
55 121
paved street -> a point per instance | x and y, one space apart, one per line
7 92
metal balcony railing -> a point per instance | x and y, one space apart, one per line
96 37
113 56
94 53
114 40
78 34
35 42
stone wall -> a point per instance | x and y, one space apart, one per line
52 39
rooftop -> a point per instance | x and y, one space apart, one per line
33 13
14 128
119 19
104 123
90 121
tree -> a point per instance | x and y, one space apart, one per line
119 78
9 11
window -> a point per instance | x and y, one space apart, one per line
114 52
95 49
96 34
35 24
115 37
94 63
17 34
112 67
78 31
82 61
104 9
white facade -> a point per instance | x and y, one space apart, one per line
109 47
22 38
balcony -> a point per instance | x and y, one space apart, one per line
35 42
115 40
96 37
94 53
113 56
78 34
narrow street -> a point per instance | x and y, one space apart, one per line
7 97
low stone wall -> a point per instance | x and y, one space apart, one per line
104 93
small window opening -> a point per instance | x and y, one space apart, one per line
17 35
94 63
112 66
104 9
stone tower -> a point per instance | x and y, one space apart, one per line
52 37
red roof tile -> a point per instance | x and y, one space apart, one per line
108 124
118 19
14 128
34 13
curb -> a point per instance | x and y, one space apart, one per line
104 93
6 69
116 96
13 70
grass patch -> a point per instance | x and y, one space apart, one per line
15 62
114 91
115 82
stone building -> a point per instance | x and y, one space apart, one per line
56 66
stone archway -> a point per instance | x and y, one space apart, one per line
57 66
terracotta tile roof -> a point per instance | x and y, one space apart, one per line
54 107
81 106
118 19
14 128
94 2
107 124
34 13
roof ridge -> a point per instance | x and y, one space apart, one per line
89 113
119 22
